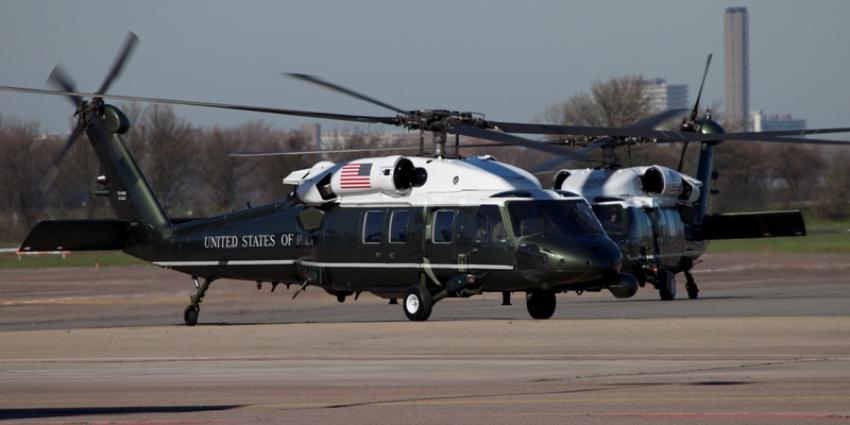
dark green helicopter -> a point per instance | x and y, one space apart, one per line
421 227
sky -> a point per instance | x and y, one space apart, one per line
506 59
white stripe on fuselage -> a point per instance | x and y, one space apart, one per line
309 263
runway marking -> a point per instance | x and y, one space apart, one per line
697 415
666 357
555 398
98 299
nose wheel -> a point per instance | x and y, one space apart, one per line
666 285
190 314
540 303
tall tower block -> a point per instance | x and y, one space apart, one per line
736 44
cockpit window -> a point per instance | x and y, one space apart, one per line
612 218
570 218
489 227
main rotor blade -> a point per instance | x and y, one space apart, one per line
660 136
117 66
319 152
653 121
344 90
695 111
797 132
60 78
554 164
47 180
278 111
471 131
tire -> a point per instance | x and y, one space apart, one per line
540 303
667 285
417 303
190 314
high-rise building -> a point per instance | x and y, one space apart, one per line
663 96
736 67
784 122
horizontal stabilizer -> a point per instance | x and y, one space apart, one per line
751 225
77 235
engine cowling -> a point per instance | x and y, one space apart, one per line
391 174
663 181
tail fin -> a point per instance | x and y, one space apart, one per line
129 193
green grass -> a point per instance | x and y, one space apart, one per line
75 259
823 236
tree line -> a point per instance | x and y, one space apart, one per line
193 175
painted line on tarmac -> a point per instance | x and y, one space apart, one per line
666 357
563 397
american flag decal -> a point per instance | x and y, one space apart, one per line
356 176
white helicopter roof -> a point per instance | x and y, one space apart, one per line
627 185
450 181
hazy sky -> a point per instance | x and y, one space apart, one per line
507 59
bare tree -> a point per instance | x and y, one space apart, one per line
161 142
799 168
617 102
23 160
833 201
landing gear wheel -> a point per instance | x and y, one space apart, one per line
418 303
667 285
540 303
190 314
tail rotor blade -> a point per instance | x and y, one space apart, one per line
47 180
125 52
60 79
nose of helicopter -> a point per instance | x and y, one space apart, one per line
595 255
581 258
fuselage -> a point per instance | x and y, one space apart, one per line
474 224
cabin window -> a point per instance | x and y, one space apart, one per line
489 226
373 224
443 226
398 226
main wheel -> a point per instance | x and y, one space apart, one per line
418 303
190 314
667 285
540 303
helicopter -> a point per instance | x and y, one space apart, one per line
421 228
659 216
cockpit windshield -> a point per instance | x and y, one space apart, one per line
571 218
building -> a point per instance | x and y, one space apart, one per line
736 44
784 122
663 96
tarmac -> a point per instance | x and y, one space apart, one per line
767 342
